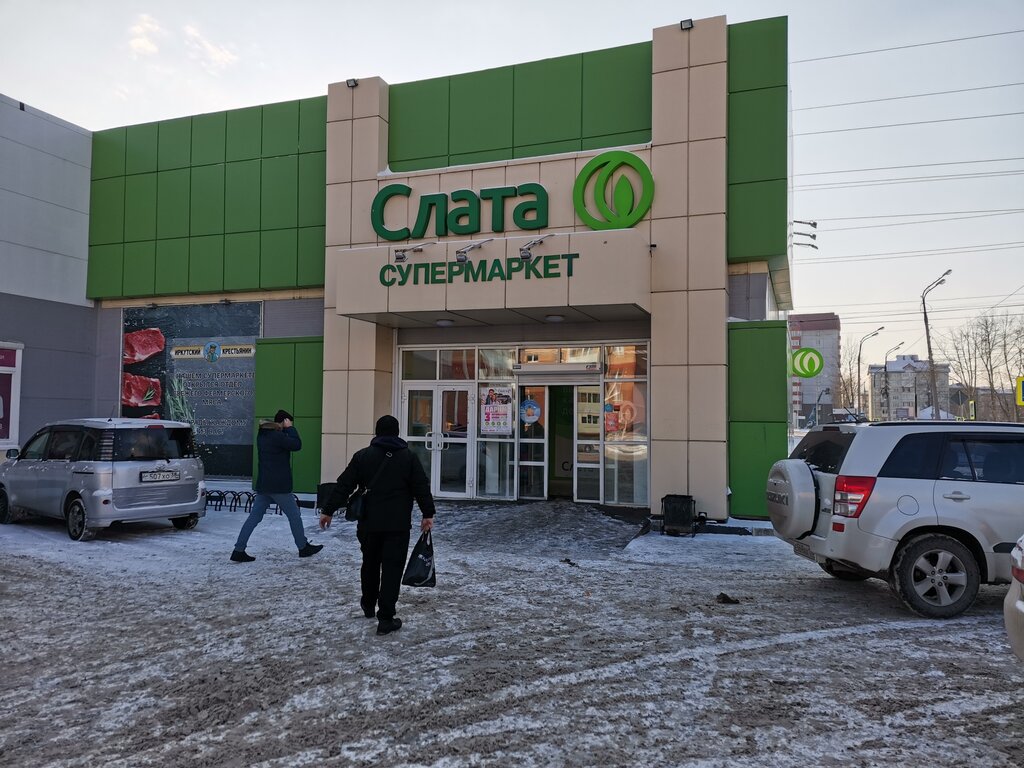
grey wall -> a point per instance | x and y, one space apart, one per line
294 317
749 296
536 333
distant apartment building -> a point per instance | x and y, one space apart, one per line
901 388
818 331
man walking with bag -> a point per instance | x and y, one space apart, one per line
390 477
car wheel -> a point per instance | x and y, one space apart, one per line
6 514
935 576
186 523
77 521
843 574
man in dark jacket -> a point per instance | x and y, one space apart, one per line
275 443
383 532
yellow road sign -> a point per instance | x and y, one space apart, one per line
1020 390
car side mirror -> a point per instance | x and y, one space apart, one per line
12 453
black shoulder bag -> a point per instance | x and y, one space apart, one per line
356 508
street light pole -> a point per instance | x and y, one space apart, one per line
859 348
817 419
888 394
928 339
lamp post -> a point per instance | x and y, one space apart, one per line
928 339
825 391
859 348
888 394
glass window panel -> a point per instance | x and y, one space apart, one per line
581 354
588 484
454 412
531 452
625 474
588 413
626 362
458 363
495 465
538 355
420 451
531 482
420 414
453 468
625 410
496 363
531 412
419 364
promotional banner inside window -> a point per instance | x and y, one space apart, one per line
196 364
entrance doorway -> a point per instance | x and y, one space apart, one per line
438 420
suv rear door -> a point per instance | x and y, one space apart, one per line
22 478
905 485
55 471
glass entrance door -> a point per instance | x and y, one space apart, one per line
439 420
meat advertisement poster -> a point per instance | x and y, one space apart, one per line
6 387
196 364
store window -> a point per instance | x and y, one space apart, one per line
419 365
496 363
581 354
541 355
458 364
626 362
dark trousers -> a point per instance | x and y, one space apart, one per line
384 554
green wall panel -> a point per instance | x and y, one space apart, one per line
281 129
280 192
141 148
313 124
278 257
758 54
617 90
312 189
208 138
486 156
106 211
548 100
552 148
757 220
106 265
758 371
418 125
206 264
419 164
242 261
206 202
306 463
480 111
140 207
172 207
753 448
617 139
758 146
275 377
309 379
310 257
139 269
244 133
242 196
172 266
108 149
175 144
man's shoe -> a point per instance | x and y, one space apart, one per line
386 626
239 556
367 612
310 549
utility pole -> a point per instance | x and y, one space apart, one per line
888 394
928 339
859 348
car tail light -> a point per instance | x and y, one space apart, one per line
1017 571
852 493
1018 574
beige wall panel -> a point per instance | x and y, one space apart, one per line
385 348
361 402
707 328
396 211
709 478
558 177
669 170
669 259
708 41
358 283
707 177
493 176
422 297
339 214
669 107
614 267
339 102
370 98
382 390
339 152
668 328
517 173
476 295
708 267
427 184
369 148
449 182
669 468
362 341
548 292
709 391
669 398
671 48
708 97
335 405
363 193
332 263
333 456
335 341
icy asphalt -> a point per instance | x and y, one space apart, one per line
555 636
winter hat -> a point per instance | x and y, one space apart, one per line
387 426
282 415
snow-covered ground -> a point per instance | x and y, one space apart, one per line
554 637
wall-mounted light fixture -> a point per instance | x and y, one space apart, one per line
811 224
525 252
554 318
401 254
812 235
225 301
351 82
686 24
444 322
461 255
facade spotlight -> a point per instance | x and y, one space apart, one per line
525 251
351 82
401 254
811 224
462 254
686 24
812 235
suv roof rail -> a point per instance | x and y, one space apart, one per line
946 423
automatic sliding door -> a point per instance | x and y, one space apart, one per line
588 444
533 476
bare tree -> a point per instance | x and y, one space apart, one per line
986 355
849 378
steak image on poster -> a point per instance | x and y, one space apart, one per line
142 345
140 391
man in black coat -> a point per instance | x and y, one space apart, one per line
395 477
275 443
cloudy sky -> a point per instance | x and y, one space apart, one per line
896 205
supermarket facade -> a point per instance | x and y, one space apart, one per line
565 277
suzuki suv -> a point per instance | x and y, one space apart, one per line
94 472
933 508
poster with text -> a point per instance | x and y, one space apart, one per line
6 387
196 364
496 408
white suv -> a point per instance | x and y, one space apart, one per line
934 508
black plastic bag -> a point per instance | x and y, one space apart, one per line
356 508
420 570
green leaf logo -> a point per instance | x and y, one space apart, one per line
606 205
807 363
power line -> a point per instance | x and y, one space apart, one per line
927 213
924 251
917 312
845 260
942 321
908 96
905 47
828 185
901 167
925 221
915 122
810 307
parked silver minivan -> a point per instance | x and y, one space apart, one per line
94 472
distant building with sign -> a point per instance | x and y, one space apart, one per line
820 332
902 389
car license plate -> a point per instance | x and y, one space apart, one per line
159 476
803 550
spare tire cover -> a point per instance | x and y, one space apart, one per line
790 497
